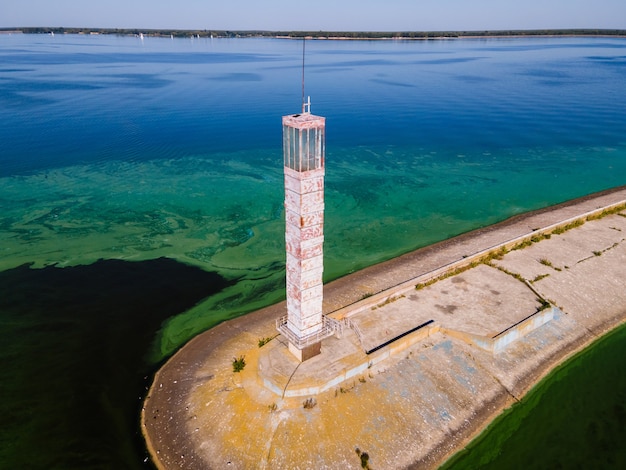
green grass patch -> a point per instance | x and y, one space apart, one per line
539 278
546 262
565 228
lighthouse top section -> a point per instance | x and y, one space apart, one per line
304 141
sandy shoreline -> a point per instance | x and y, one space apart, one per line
166 425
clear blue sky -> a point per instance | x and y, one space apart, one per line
348 15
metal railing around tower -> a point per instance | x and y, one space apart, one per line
330 326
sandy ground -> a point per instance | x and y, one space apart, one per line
419 407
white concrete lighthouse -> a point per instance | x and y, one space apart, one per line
303 149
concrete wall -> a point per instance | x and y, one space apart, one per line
503 339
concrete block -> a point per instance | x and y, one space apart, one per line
304 182
294 235
303 220
295 292
307 352
302 249
306 279
302 267
304 203
304 315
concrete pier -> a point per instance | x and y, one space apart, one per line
413 374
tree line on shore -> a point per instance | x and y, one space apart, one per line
318 34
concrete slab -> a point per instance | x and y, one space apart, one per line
482 301
604 291
381 324
566 250
593 256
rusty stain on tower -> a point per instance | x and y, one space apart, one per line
304 326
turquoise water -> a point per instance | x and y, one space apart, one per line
114 148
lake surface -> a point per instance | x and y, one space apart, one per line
164 155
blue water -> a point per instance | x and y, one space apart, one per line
69 99
137 150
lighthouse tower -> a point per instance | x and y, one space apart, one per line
304 326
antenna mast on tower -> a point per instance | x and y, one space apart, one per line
306 106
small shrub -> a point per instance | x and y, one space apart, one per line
239 363
597 253
365 458
264 341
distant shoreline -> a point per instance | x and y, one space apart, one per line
321 35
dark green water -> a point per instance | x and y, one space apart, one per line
73 370
574 419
